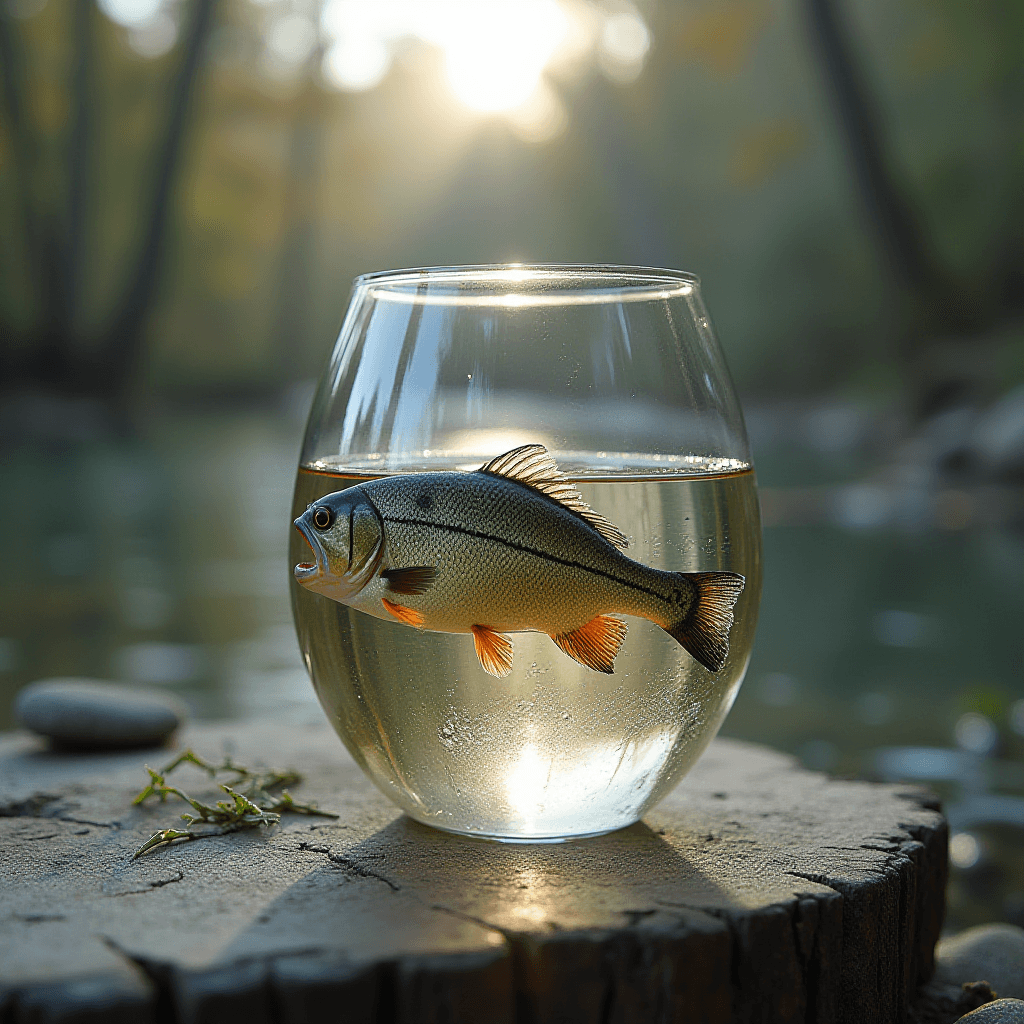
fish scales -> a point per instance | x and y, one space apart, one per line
508 548
507 557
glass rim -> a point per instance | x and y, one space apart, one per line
481 273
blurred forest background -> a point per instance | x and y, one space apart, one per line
187 188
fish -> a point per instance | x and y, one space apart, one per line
508 548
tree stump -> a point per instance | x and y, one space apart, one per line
757 891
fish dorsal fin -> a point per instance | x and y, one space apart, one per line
533 467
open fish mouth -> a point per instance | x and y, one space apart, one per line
307 570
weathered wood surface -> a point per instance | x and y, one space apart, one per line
756 892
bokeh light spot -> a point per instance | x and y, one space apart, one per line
625 41
355 65
290 40
155 37
130 13
964 850
976 733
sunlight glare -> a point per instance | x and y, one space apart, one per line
621 773
531 913
541 118
515 272
474 447
495 53
526 783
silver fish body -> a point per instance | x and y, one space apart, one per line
508 548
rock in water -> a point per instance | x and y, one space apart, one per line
1002 1011
989 952
87 714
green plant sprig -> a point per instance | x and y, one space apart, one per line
257 797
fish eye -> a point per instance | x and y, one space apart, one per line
322 518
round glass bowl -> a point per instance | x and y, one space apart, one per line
617 373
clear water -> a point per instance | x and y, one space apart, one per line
555 749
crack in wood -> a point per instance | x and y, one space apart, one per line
348 864
157 883
809 876
508 936
115 825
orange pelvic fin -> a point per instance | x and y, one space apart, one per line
494 650
409 616
595 644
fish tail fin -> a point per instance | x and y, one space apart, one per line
704 629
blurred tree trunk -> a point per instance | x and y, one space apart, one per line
298 249
57 357
23 145
1008 25
934 303
122 346
79 157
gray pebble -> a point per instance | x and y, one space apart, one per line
989 952
1002 1011
88 714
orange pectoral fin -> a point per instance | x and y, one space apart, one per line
494 650
409 616
595 644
